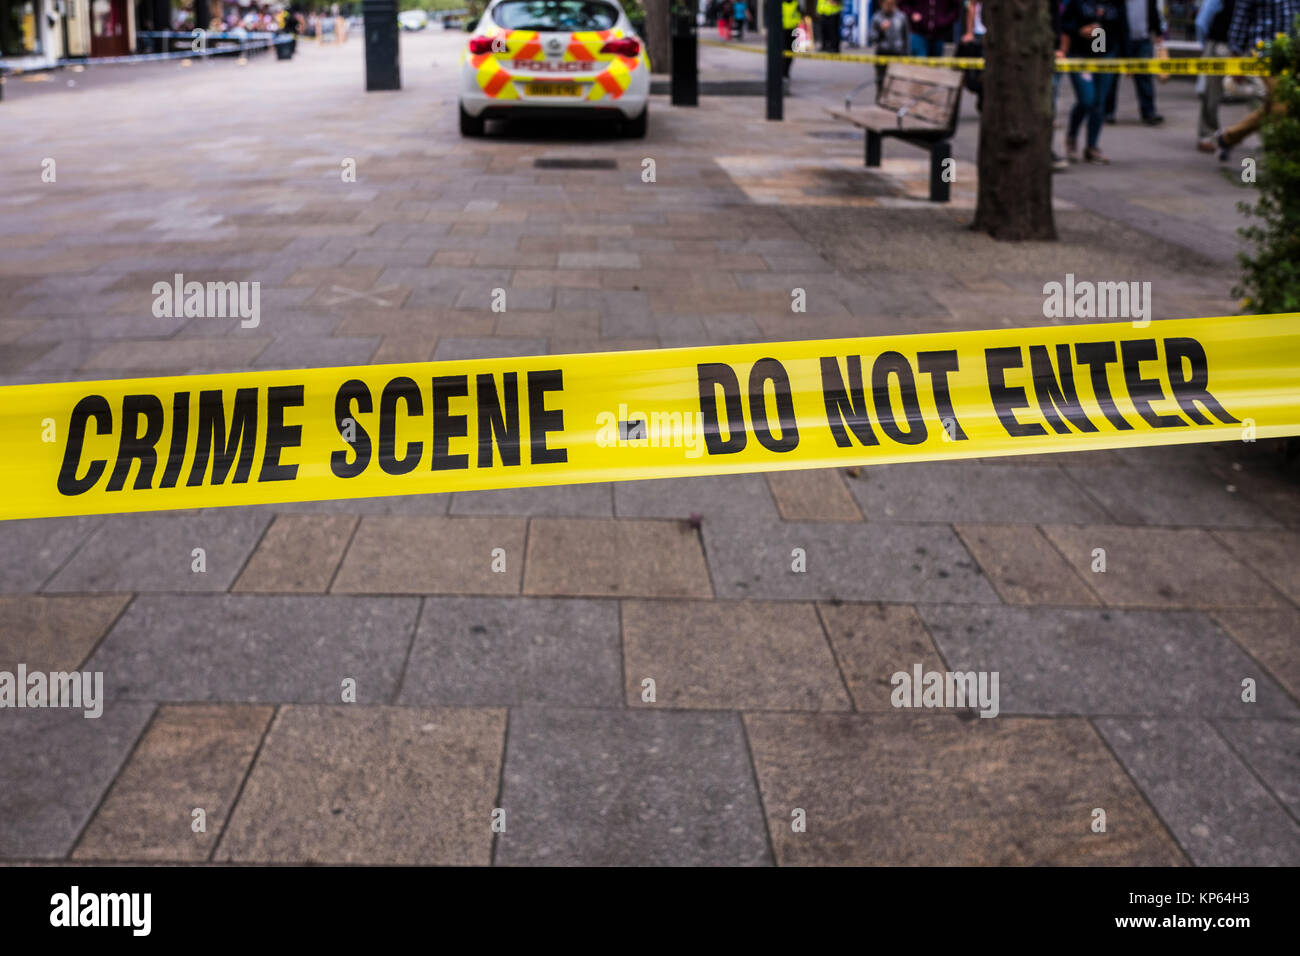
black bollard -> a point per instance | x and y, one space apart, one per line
383 71
775 61
686 68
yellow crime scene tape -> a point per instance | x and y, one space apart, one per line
1189 66
333 433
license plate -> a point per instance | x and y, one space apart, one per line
554 89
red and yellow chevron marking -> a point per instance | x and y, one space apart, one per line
584 47
615 80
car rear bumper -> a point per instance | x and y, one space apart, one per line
629 105
536 111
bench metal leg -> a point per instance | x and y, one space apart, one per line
873 147
939 188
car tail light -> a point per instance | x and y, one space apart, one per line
480 45
624 46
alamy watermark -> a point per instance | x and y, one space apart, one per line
1098 300
653 430
946 689
179 299
75 908
78 690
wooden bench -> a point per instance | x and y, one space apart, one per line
919 105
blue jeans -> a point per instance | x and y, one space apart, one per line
1089 103
1145 82
926 46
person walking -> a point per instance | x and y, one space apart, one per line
739 14
829 12
1059 163
932 23
889 35
1212 22
971 44
1080 22
724 19
791 24
1253 22
1143 26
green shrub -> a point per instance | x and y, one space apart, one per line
1270 280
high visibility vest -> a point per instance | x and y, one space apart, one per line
828 8
790 16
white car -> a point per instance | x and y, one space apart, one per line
564 58
413 19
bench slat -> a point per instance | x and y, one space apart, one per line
885 121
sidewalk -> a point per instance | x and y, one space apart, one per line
523 691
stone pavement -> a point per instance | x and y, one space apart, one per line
1119 690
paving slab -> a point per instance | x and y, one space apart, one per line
32 550
298 554
379 785
1272 637
180 354
934 790
316 352
56 764
594 500
1081 661
191 757
256 648
155 552
1217 809
476 652
450 348
602 557
965 491
1174 497
433 555
872 642
1273 554
1272 749
733 496
383 505
898 563
729 655
1160 567
1024 566
813 495
629 788
54 633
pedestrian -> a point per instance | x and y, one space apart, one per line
1080 22
889 35
1059 163
1253 22
739 14
1212 22
1143 25
972 45
932 22
829 13
724 19
791 23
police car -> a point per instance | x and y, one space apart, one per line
563 58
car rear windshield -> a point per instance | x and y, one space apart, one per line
555 15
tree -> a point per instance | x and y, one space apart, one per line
657 27
1270 279
1015 164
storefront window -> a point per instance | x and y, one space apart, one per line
19 28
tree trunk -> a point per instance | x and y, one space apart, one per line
1015 162
657 30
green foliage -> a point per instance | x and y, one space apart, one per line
1270 280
